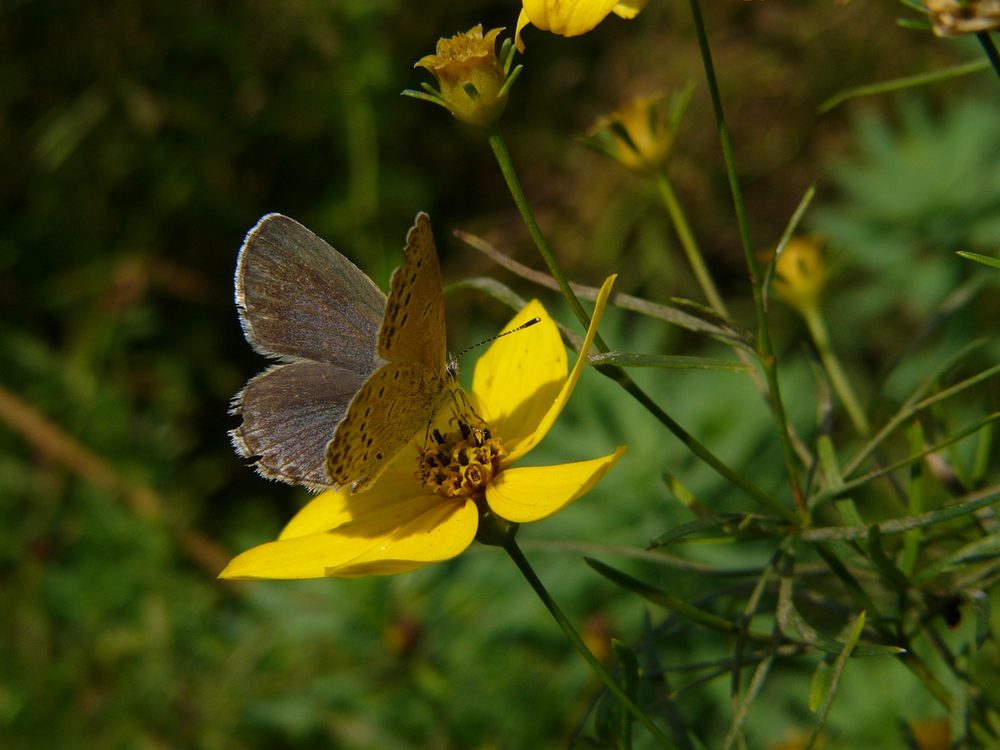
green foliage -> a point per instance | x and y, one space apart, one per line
140 141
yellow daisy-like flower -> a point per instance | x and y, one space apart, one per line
571 18
800 275
473 82
427 506
637 134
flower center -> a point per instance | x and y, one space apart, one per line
461 463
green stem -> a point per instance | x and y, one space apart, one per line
630 386
817 328
613 371
521 201
986 42
690 245
764 347
528 572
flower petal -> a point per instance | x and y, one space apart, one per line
629 8
567 18
531 493
520 376
522 21
381 542
557 405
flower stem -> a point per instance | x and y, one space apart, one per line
574 638
506 164
986 42
613 371
817 328
690 245
765 349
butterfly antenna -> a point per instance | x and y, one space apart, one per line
498 336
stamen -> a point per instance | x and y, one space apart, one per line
462 462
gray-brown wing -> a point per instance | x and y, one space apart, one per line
298 298
289 414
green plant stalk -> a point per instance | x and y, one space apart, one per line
764 347
574 638
821 337
616 373
690 245
986 42
506 165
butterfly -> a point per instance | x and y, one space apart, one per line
360 374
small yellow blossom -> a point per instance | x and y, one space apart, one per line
639 134
571 17
432 500
473 82
800 274
956 17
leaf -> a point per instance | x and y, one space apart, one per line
666 361
986 260
896 84
835 674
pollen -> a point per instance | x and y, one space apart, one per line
461 463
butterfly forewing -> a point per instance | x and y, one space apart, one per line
414 327
401 397
299 298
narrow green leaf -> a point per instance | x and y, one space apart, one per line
897 84
678 533
913 537
981 606
819 685
835 674
666 361
673 603
793 224
881 561
986 260
982 499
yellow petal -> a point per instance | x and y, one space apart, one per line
522 21
566 17
520 375
557 405
531 493
629 8
379 541
332 508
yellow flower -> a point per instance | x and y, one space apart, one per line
428 505
956 17
473 81
801 274
639 134
571 17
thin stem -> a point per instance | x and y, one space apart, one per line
528 572
690 245
817 328
613 371
986 42
506 165
764 347
630 386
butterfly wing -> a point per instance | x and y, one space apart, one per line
413 329
401 397
298 298
289 413
301 301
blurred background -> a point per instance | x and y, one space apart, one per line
140 141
